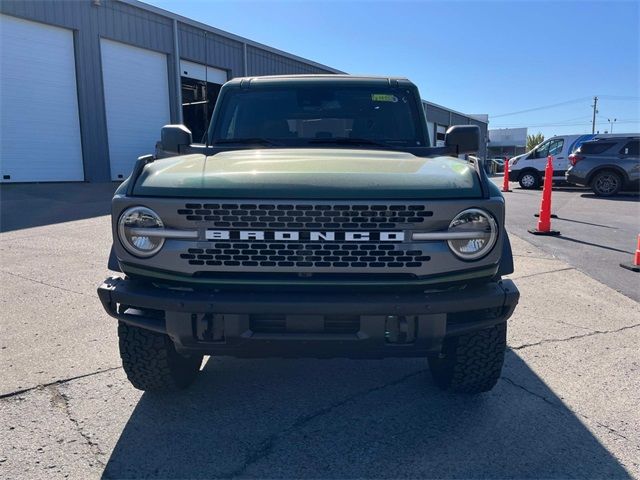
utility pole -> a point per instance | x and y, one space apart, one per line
595 110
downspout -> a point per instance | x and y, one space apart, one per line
176 57
245 67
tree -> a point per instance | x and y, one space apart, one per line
534 140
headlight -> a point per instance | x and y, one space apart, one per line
513 162
477 233
133 230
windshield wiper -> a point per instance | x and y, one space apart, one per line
348 141
255 140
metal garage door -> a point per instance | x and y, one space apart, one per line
39 122
136 93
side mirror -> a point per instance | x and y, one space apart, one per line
463 139
172 137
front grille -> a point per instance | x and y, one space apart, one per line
305 216
341 255
304 220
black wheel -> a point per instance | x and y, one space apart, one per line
606 183
471 363
529 180
151 361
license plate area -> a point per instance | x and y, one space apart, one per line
291 323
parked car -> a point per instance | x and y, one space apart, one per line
528 168
498 164
315 222
606 165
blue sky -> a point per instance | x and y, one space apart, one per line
494 57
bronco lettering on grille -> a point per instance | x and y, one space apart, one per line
313 236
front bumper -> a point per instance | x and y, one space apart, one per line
321 324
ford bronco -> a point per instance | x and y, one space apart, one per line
315 220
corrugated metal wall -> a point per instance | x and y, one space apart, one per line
436 114
140 27
214 50
112 20
261 62
457 119
147 27
448 118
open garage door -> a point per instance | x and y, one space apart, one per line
39 121
200 89
136 93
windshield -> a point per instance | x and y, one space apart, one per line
304 115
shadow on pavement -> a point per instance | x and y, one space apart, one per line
26 205
564 219
347 419
584 192
621 197
568 188
591 244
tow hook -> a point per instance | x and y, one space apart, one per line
400 329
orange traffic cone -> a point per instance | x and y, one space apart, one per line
544 219
635 264
505 181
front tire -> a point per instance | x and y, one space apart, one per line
606 183
529 180
151 361
471 363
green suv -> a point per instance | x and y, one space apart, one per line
316 221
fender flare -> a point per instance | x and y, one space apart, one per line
506 259
113 264
615 168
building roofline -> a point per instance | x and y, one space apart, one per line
203 26
222 33
455 111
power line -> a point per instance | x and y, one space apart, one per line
571 121
619 97
574 124
568 102
581 118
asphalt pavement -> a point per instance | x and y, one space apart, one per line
596 234
567 405
34 204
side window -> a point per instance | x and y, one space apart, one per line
555 147
228 128
541 151
595 147
631 148
231 133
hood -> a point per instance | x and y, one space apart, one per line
517 157
309 173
